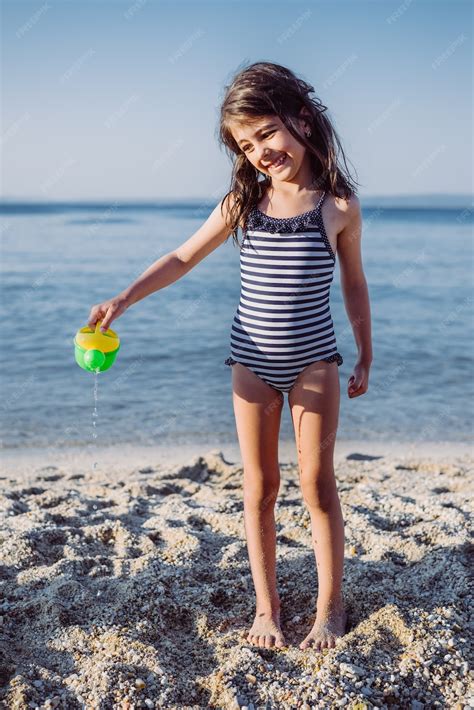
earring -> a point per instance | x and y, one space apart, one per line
308 134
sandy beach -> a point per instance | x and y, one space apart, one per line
125 583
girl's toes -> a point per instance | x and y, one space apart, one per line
269 640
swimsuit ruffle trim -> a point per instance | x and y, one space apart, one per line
259 220
335 356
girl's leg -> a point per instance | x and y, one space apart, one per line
314 402
257 408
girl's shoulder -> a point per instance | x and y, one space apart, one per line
346 205
227 205
342 211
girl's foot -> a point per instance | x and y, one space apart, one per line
330 625
266 631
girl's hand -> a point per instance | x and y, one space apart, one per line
358 382
107 312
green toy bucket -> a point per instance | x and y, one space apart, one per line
95 351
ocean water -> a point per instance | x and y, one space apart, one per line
169 384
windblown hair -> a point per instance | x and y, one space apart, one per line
264 89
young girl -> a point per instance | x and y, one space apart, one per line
297 208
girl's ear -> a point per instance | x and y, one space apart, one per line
304 119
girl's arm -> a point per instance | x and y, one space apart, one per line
168 268
355 293
173 266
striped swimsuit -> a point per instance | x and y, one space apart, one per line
283 321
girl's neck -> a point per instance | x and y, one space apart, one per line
297 192
281 203
292 191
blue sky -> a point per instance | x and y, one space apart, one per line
112 99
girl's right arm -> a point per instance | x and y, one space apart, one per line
168 268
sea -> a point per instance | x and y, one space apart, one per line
169 384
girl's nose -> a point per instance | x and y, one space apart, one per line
263 156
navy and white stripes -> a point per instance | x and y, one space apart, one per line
283 320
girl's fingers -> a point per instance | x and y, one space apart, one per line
357 384
95 315
113 312
354 386
107 320
105 312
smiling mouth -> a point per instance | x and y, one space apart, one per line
277 163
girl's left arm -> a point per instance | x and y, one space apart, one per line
356 295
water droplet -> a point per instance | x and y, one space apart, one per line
95 413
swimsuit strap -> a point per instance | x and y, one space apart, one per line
321 200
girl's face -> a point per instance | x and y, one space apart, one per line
271 148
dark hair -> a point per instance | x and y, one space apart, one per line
267 89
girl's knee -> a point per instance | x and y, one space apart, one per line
261 495
260 503
319 490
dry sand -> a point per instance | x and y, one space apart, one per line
128 586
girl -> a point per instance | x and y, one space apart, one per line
297 208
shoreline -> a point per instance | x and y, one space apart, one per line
126 457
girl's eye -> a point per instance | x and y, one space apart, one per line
265 135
